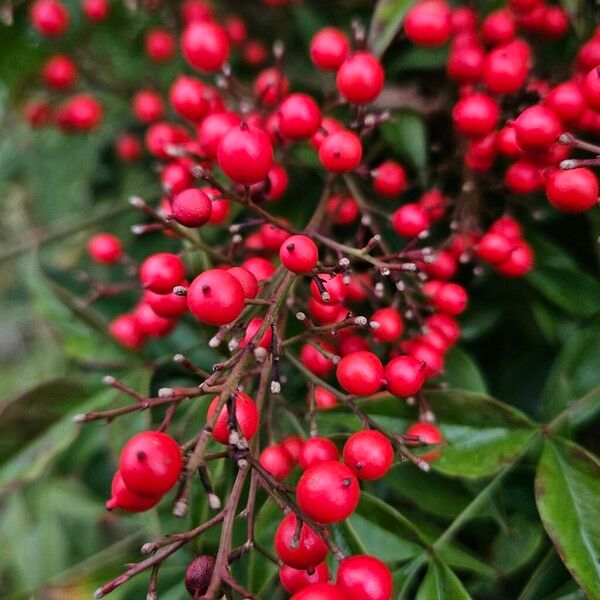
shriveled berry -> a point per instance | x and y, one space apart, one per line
198 575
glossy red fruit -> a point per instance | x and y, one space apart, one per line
294 580
508 227
176 176
273 237
320 591
537 128
498 27
433 203
187 98
314 361
369 454
160 45
277 461
523 177
567 101
389 179
246 279
465 64
148 106
574 190
150 463
328 48
427 355
245 154
504 70
328 492
317 450
428 23
121 497
198 575
49 17
390 322
105 248
360 373
160 136
405 376
278 181
271 86
364 577
591 89
235 28
205 46
343 209
216 297
220 207
95 10
213 129
191 208
292 445
59 72
260 267
169 306
506 142
253 326
463 19
161 272
299 117
254 53
520 261
441 265
410 220
299 254
360 78
128 148
328 126
340 151
82 113
246 415
429 434
476 115
126 330
450 298
310 551
152 324
494 248
444 324
334 287
324 399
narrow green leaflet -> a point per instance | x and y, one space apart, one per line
441 583
386 23
462 372
567 490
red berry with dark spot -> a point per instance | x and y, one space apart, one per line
369 454
216 297
246 416
299 254
310 551
340 151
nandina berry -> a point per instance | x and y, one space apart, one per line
160 45
270 86
520 261
428 23
161 272
299 117
340 151
191 207
465 64
433 203
476 115
235 27
446 325
328 48
326 313
245 154
198 575
360 373
537 128
328 126
246 279
150 463
273 237
405 376
254 53
187 98
591 89
317 450
575 190
95 10
504 70
350 343
335 289
128 148
494 248
307 553
369 454
498 27
277 461
213 129
292 445
170 306
126 330
320 591
324 399
556 22
121 497
278 181
450 298
49 17
441 265
315 361
427 355
148 106
105 248
205 46
152 324
59 72
196 10
82 113
38 113
176 176
360 78
343 209
508 227
216 297
364 577
246 417
429 434
410 220
567 101
299 254
253 326
260 267
523 177
160 136
463 19
506 142
390 324
328 492
293 580
389 179
220 207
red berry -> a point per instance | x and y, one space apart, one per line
449 298
247 281
160 136
591 89
254 53
128 148
216 297
170 306
220 207
342 209
150 463
507 227
196 10
278 180
328 492
328 48
191 208
314 361
410 220
317 450
95 10
160 45
334 288
177 176
463 19
567 101
506 142
476 115
260 267
537 128
245 154
294 580
520 261
126 330
523 177
161 272
59 72
198 575
360 78
273 237
148 106
253 326
390 324
575 190
299 254
271 86
389 179
369 454
246 416
428 23
105 248
49 17
433 203
187 98
498 27
360 373
364 577
324 399
213 129
504 70
152 324
446 325
82 113
427 355
328 126
292 445
310 551
121 497
405 376
205 46
320 591
429 434
441 265
494 248
465 64
277 461
235 28
299 117
340 151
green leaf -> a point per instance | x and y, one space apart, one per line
441 583
567 488
580 413
386 23
406 135
462 373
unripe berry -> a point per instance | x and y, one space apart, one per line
537 128
161 272
121 497
299 117
150 463
428 23
299 254
389 179
575 190
205 46
191 208
105 248
215 297
340 151
126 330
314 361
294 580
277 461
160 45
476 115
310 551
364 577
405 376
410 220
49 17
328 48
369 454
429 434
246 416
360 78
390 324
328 492
317 450
320 591
198 575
